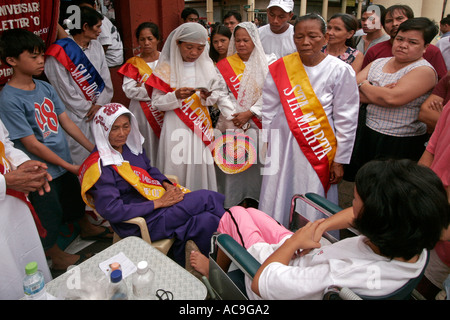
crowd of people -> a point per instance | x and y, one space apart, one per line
245 116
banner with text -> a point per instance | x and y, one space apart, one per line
38 16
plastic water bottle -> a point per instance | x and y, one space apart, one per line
143 278
34 283
118 289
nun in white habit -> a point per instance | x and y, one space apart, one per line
184 67
247 108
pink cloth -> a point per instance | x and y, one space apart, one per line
254 226
439 146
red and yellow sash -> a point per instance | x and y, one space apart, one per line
192 112
148 187
136 68
5 166
305 115
232 68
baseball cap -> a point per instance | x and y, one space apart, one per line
286 5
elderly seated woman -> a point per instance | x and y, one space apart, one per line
120 183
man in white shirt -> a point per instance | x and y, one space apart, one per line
112 43
278 36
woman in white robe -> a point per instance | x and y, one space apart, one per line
148 38
247 102
78 107
287 170
19 238
185 66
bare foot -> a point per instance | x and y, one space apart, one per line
199 262
61 260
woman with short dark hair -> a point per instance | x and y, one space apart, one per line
394 89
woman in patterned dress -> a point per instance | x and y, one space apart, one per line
341 28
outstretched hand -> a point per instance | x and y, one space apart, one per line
306 238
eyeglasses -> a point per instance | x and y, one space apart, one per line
162 294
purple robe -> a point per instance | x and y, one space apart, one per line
195 218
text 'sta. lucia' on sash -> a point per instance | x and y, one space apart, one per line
305 115
5 167
232 69
192 112
137 69
83 72
90 172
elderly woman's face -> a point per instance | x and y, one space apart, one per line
408 45
119 132
190 51
244 43
94 31
308 37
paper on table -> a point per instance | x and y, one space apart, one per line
127 266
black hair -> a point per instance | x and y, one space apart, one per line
405 207
187 11
313 16
405 9
148 25
428 28
14 42
222 30
445 20
379 6
234 13
88 16
89 2
350 24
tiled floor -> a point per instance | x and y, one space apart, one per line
345 190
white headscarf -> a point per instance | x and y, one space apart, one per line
170 67
256 68
101 127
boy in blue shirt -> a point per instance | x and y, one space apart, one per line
36 120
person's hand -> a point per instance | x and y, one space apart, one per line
391 85
436 105
184 93
336 173
169 198
92 111
241 118
204 94
304 239
30 176
166 185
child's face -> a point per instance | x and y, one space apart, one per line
28 63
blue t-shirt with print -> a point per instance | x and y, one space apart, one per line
35 112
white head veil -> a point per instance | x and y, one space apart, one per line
170 67
256 68
101 127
